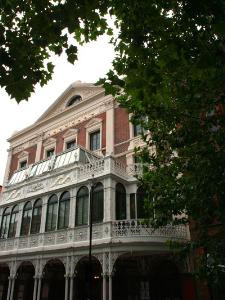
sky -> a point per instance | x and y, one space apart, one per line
94 60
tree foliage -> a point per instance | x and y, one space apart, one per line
170 67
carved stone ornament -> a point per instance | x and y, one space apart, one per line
13 195
70 132
93 122
23 154
49 141
61 180
35 187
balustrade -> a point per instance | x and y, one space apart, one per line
78 235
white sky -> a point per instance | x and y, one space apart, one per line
94 60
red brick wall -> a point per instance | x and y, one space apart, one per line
31 158
121 125
121 148
81 136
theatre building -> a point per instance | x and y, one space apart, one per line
82 148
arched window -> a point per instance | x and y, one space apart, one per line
5 223
64 210
98 203
36 217
52 213
74 100
26 220
141 210
13 221
120 202
82 206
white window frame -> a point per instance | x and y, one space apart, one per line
22 157
93 126
48 145
70 136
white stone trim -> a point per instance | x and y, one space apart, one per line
69 136
48 145
92 126
110 131
23 156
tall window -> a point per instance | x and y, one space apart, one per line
13 221
26 220
95 140
52 213
132 206
82 206
141 210
137 129
98 203
36 218
120 202
64 210
5 223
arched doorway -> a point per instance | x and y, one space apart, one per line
24 283
144 277
53 282
4 281
82 272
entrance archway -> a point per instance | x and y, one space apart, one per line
82 279
146 277
24 283
4 281
53 282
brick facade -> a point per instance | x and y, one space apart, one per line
15 158
122 132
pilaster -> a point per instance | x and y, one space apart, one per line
7 169
44 213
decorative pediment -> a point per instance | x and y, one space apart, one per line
70 132
84 90
23 154
93 122
49 141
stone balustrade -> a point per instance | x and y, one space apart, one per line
115 231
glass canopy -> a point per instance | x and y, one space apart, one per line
70 156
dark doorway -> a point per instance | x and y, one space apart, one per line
53 282
145 278
24 283
4 281
82 283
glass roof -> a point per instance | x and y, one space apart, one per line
70 156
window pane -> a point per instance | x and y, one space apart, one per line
5 223
52 213
95 140
97 206
82 206
132 206
70 144
50 152
26 220
23 164
13 222
36 218
120 202
137 129
141 210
